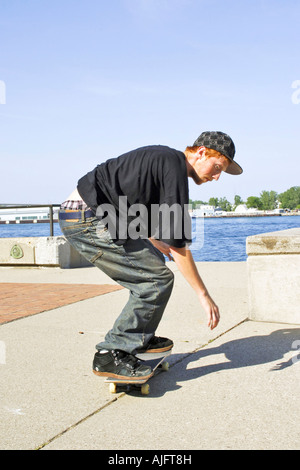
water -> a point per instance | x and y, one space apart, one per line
218 239
28 230
225 239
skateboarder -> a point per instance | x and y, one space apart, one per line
124 216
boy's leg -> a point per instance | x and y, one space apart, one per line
143 271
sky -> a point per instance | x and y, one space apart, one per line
82 81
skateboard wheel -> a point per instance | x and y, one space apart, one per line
145 389
113 388
165 366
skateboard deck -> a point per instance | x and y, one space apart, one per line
155 360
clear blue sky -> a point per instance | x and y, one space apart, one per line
87 80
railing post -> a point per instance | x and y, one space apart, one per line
51 220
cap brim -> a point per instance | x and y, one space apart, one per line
234 168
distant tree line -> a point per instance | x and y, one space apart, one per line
267 200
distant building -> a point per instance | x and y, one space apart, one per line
203 211
24 214
241 209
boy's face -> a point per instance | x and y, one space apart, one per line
208 168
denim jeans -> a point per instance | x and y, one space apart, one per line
138 266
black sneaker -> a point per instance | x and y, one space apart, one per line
120 365
156 345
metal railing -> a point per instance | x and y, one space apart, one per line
34 206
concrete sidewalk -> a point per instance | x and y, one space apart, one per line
236 387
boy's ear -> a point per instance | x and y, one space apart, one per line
201 152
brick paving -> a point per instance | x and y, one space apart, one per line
18 300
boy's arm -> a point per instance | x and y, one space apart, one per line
186 264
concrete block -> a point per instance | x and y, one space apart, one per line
17 251
274 288
68 257
273 269
282 242
40 251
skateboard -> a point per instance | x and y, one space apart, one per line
156 361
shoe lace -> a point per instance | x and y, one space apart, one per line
130 360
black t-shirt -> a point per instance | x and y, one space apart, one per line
141 193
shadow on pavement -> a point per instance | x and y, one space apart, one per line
239 353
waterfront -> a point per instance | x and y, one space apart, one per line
217 239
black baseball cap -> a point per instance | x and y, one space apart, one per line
222 143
